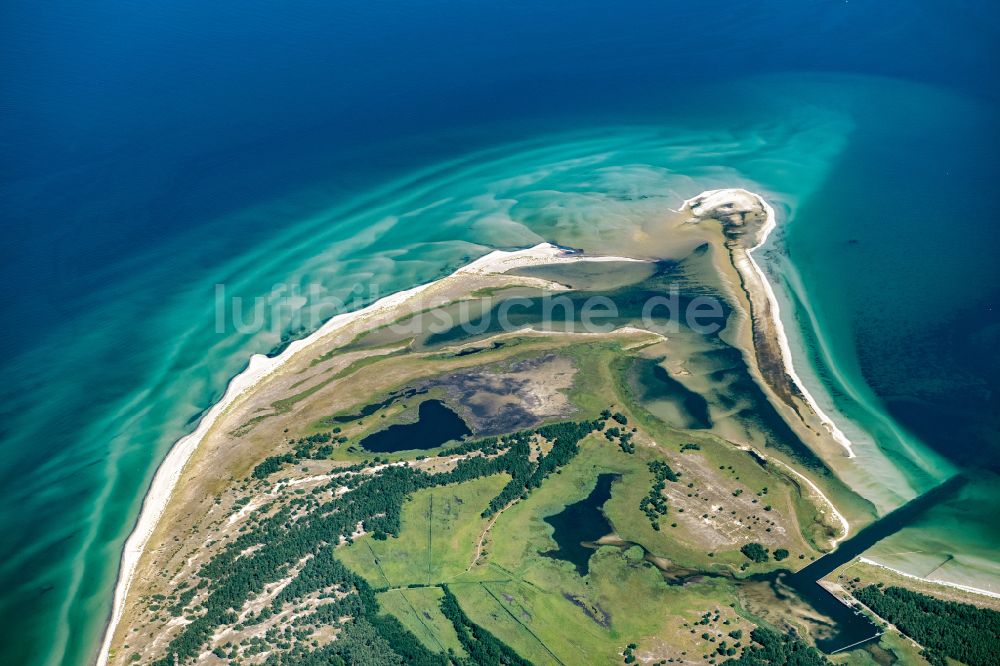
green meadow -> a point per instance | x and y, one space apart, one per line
537 604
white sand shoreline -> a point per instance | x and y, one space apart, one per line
844 524
835 432
170 469
786 351
957 586
260 366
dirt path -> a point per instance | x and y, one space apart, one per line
482 537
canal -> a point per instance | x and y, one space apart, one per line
852 627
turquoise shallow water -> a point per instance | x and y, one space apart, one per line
148 353
894 257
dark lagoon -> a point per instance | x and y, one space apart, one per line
436 424
580 524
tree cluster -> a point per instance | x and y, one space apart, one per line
946 629
483 647
301 533
774 649
313 447
755 552
654 504
526 475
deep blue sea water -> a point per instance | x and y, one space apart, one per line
150 151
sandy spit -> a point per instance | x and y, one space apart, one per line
964 588
709 199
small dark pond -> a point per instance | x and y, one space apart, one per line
580 524
436 425
475 350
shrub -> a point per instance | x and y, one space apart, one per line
755 552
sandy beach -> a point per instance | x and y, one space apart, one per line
712 199
261 367
964 588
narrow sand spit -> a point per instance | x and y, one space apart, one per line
260 366
712 199
844 525
964 588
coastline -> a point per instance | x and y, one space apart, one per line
720 197
169 471
259 368
944 583
844 524
770 224
786 350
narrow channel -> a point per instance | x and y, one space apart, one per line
854 628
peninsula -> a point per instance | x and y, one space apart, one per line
389 489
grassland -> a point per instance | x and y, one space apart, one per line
437 541
419 611
539 605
